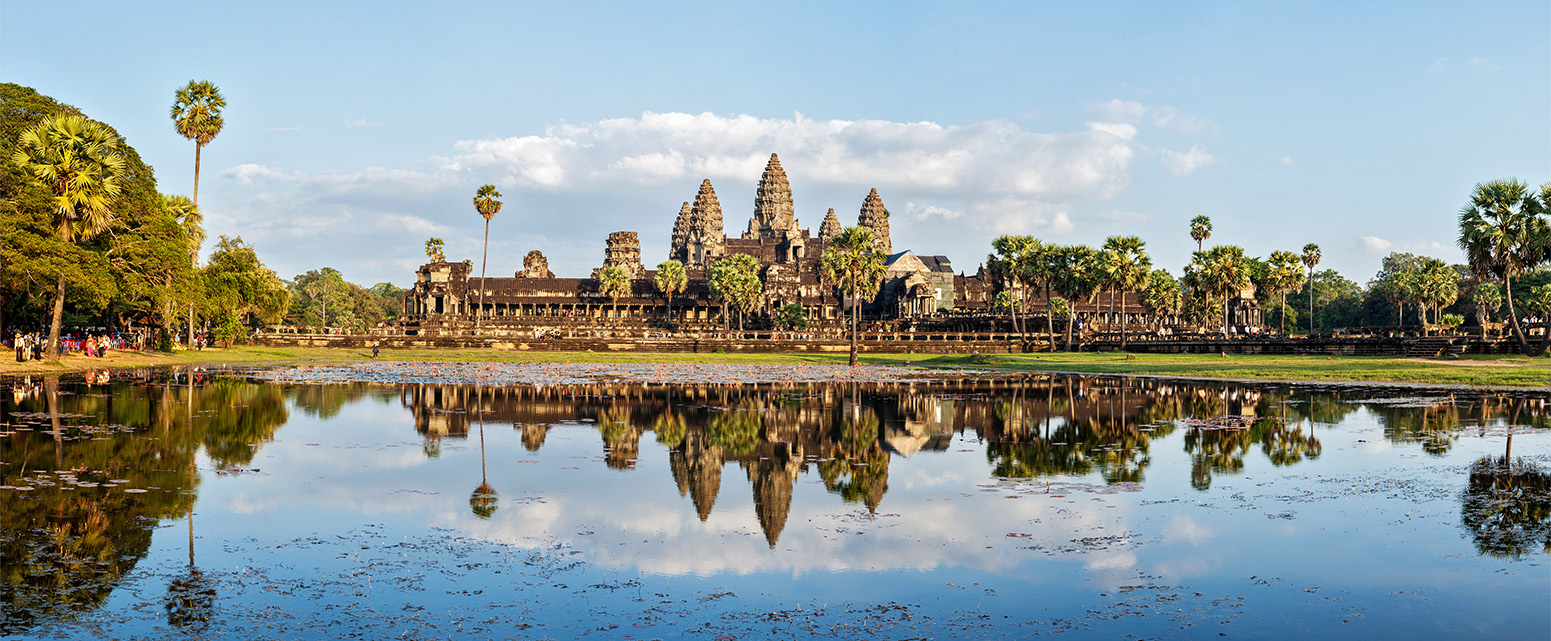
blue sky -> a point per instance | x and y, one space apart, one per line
354 131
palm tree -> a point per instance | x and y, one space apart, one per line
482 501
1504 232
1225 274
196 114
1011 264
613 282
856 266
1284 277
1129 265
1310 260
433 250
670 278
1488 298
79 162
486 203
1078 279
187 214
1200 230
1162 294
735 280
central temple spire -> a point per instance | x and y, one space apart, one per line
773 215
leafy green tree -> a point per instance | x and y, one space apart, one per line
1311 256
856 266
1488 298
389 298
1015 262
319 291
487 203
433 250
613 282
1222 272
670 279
1200 230
1398 281
1438 287
1078 276
1162 295
1284 274
238 285
1129 267
790 317
735 280
79 162
1504 232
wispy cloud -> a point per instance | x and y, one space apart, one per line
1183 163
362 123
1374 244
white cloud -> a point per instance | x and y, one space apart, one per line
922 212
1375 244
362 123
1285 161
1171 119
1113 128
994 157
1182 163
247 173
1117 110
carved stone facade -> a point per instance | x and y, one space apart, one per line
623 249
705 239
831 226
876 217
534 265
773 215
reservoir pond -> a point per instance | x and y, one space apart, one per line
474 501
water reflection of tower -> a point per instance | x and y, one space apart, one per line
697 469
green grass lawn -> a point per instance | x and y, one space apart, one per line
1511 371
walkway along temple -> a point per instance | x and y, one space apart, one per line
920 294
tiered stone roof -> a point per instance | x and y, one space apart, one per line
831 226
874 216
681 226
706 227
623 249
773 214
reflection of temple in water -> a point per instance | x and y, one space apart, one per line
1033 426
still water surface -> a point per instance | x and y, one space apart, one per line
532 502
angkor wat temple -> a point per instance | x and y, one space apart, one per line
446 298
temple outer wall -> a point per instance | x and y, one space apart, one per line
904 343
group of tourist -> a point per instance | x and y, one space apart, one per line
30 346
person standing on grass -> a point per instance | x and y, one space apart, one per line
374 348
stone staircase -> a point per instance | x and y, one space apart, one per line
1436 346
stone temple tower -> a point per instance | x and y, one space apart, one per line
773 215
831 226
707 239
623 249
876 217
678 247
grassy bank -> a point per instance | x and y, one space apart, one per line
1511 371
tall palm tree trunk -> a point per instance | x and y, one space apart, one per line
1508 292
856 308
1050 322
1311 303
192 256
55 325
483 257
